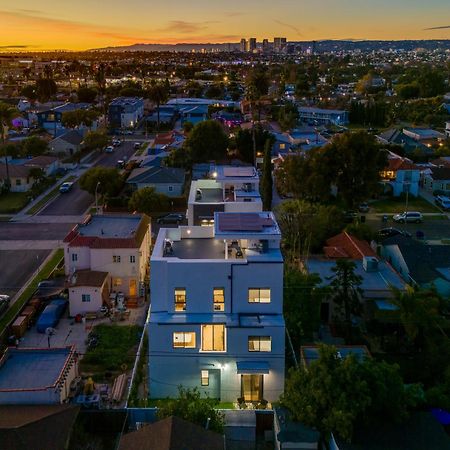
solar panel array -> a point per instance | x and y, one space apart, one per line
243 222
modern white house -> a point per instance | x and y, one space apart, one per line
229 189
126 112
216 319
116 244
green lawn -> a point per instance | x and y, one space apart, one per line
396 205
115 352
44 273
13 202
53 193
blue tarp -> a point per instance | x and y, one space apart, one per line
252 367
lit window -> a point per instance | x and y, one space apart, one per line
116 259
205 377
180 299
183 339
117 282
259 344
259 295
213 338
85 298
74 257
132 259
219 299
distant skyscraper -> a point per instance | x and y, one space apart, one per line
279 44
243 46
265 45
252 45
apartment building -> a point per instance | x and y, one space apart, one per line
116 244
216 319
126 112
229 189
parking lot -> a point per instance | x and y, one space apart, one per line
17 266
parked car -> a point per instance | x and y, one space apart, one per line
137 145
408 217
116 142
120 164
364 207
443 202
176 218
109 149
51 315
391 231
65 187
4 303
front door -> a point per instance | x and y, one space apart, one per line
252 387
132 288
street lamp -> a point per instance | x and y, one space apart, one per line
96 202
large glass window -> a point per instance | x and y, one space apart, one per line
259 344
259 295
219 299
252 387
213 338
180 299
183 339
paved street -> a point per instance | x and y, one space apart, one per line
78 201
16 231
17 266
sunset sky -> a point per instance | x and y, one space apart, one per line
84 24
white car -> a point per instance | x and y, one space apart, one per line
410 216
65 187
109 149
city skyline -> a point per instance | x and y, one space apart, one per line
81 25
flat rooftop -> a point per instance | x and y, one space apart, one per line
210 196
32 368
206 248
248 224
110 226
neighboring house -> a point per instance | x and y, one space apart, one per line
32 376
217 309
167 141
88 291
402 175
290 434
426 136
443 161
230 189
194 114
19 177
437 178
418 263
50 119
318 116
25 427
165 180
172 433
167 115
48 164
311 353
398 137
377 276
68 143
126 112
116 244
23 105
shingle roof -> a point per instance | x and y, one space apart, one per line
172 433
157 175
15 171
41 161
345 245
72 137
88 278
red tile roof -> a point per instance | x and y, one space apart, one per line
395 164
346 246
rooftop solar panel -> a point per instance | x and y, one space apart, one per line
238 171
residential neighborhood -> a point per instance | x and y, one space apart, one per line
212 240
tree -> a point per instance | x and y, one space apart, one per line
330 394
6 116
336 394
215 91
266 186
244 142
288 116
74 119
187 127
86 94
29 92
158 94
34 146
109 180
147 200
345 290
191 406
45 89
95 140
37 174
207 141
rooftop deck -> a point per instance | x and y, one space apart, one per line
207 248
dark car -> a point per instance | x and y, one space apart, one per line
350 216
171 218
391 231
364 207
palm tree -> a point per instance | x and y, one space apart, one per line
345 290
100 78
6 116
158 93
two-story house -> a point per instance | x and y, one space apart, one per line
118 245
402 175
216 319
229 189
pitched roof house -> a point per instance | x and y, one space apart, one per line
165 180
